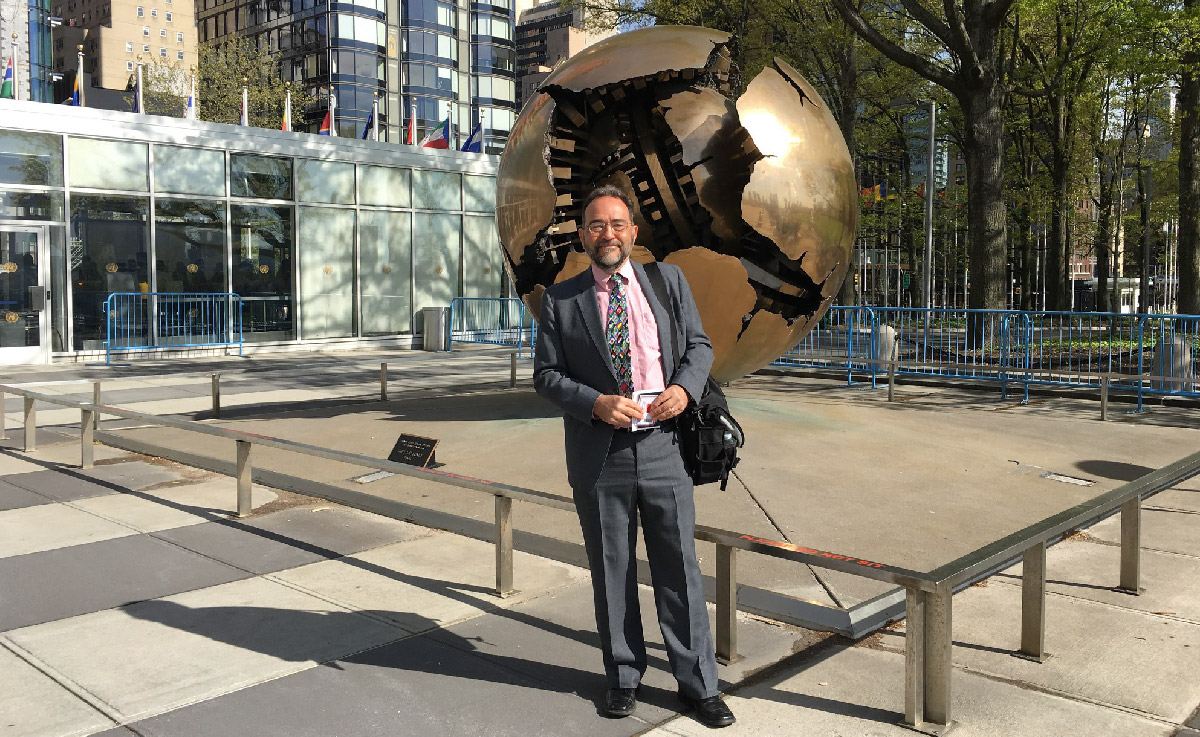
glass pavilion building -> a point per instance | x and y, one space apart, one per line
326 240
434 54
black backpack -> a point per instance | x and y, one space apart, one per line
710 435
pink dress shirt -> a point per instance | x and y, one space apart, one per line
644 350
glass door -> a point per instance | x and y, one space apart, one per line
24 298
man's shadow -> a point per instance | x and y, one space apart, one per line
325 637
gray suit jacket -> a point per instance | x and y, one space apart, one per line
572 364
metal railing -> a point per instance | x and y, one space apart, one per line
1146 354
492 321
139 321
928 595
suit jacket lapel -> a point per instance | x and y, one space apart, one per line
589 310
662 319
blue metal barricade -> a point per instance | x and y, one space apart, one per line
1003 346
137 321
844 338
1011 346
492 321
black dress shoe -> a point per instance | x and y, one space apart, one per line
711 711
620 702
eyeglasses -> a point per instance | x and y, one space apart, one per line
618 227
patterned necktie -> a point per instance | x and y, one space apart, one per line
617 333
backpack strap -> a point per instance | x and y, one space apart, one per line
660 290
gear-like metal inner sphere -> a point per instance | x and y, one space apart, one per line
755 199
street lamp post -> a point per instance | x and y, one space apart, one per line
927 272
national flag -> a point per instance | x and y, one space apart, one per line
190 113
9 87
326 124
474 142
439 137
370 124
137 90
77 98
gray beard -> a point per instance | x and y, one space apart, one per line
598 260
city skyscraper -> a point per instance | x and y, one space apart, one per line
547 34
444 57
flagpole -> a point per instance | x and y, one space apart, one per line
332 111
245 102
375 115
412 122
287 108
16 90
450 127
482 133
195 111
78 79
141 102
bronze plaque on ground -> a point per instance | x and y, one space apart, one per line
414 450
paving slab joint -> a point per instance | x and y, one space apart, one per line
938 730
1194 721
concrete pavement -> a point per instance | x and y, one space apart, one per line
134 604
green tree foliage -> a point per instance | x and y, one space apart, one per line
220 73
165 86
1188 39
1060 108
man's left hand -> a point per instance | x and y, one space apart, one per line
670 403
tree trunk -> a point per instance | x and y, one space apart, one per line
1104 234
1025 249
1188 249
1143 189
985 196
847 121
1057 256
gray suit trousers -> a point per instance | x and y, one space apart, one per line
644 474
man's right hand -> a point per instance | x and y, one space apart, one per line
618 411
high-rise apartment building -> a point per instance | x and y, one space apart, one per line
546 35
441 57
114 33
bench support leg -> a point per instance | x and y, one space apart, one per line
504 547
1033 603
1131 546
727 605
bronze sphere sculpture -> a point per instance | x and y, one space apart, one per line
754 199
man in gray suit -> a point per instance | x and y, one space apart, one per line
602 335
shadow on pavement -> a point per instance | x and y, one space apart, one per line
1116 470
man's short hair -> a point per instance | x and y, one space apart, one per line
607 190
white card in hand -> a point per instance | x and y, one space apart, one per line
645 399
